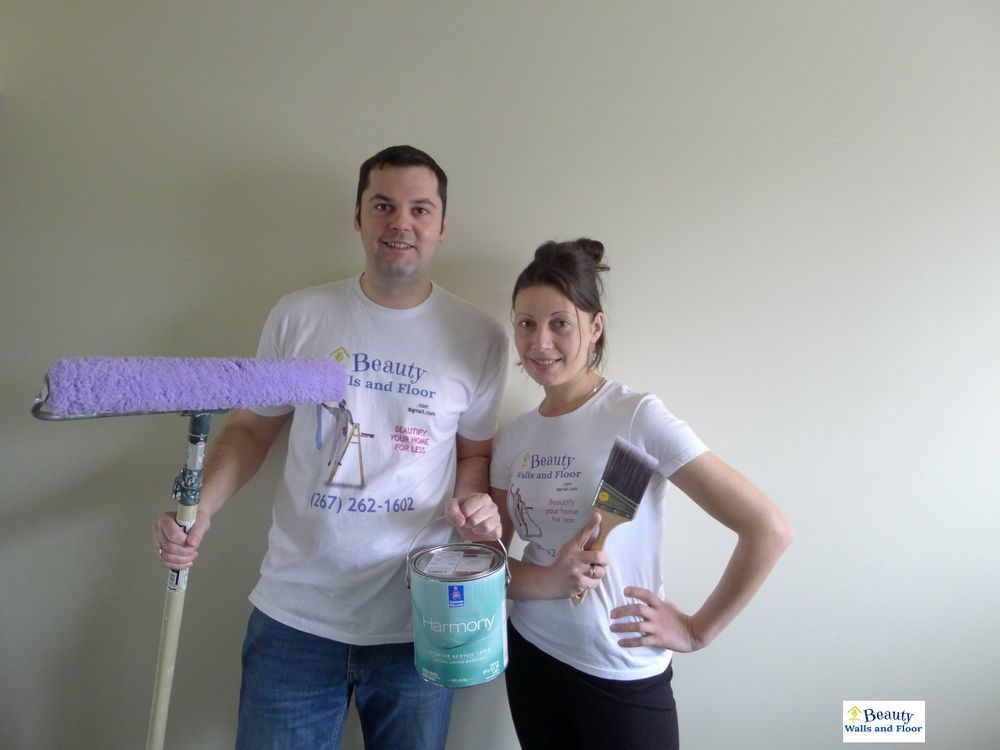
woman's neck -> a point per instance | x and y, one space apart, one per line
562 399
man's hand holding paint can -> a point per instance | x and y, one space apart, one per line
475 517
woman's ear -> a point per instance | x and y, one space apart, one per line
597 326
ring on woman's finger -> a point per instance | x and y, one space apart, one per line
593 570
159 551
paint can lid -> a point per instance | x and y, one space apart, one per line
457 562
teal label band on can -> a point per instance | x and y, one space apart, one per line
459 595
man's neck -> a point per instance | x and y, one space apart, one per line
396 296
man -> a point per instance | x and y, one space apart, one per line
426 371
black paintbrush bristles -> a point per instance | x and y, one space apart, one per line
625 478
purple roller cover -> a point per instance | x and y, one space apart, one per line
90 386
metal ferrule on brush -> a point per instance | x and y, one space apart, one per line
611 500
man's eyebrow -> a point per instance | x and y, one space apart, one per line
386 199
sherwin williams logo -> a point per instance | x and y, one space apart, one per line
456 595
884 721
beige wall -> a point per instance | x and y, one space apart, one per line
800 205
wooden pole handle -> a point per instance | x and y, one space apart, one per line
187 490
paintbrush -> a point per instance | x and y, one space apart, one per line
626 475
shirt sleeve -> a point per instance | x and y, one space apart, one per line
663 436
479 421
269 347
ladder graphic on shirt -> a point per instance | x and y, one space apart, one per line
354 437
523 518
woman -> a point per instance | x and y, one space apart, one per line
597 674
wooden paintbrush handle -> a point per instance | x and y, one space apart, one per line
609 522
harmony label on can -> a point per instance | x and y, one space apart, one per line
459 594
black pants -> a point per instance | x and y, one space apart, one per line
556 706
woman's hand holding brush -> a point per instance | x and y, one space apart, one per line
576 569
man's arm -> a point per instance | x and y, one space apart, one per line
471 510
232 461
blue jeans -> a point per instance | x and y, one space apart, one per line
297 688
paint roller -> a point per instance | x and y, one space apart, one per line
93 387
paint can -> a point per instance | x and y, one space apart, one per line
459 596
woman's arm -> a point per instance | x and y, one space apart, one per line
763 535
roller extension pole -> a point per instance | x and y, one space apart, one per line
187 493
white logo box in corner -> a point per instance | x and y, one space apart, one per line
884 721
